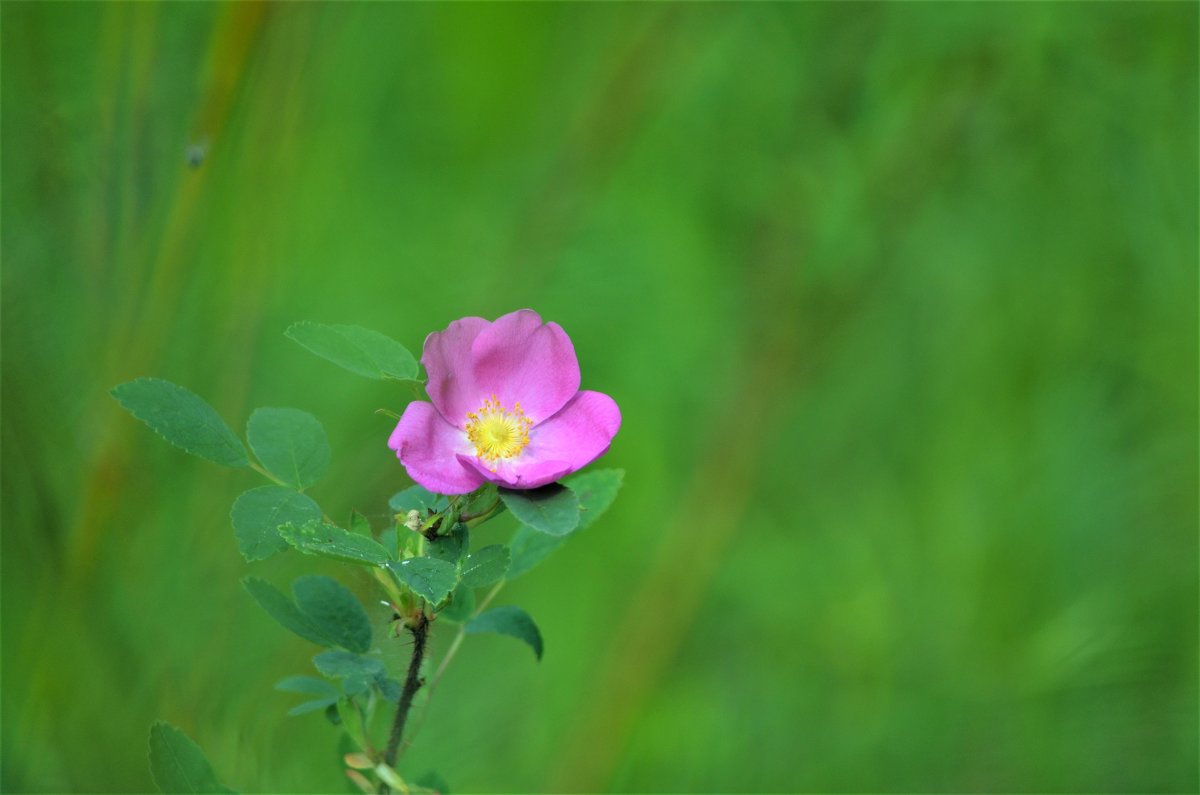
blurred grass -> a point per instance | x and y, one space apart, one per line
899 302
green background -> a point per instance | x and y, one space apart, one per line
899 303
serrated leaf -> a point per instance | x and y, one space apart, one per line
429 578
453 547
511 621
529 548
330 541
290 443
258 513
461 605
182 418
596 491
334 610
417 498
486 566
338 664
308 685
552 509
283 610
177 763
357 349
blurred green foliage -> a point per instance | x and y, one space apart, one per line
899 302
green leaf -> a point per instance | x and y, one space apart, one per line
283 610
305 707
388 540
429 578
508 620
352 721
290 443
484 499
486 566
337 664
390 777
258 513
529 548
460 606
551 509
417 498
334 610
450 548
390 689
183 419
357 684
308 685
596 491
177 763
357 349
411 544
360 525
330 541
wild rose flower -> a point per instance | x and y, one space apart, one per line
506 408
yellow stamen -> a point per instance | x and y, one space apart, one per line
496 432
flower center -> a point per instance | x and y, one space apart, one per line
496 432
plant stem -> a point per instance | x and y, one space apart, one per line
453 650
412 683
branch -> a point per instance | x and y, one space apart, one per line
412 683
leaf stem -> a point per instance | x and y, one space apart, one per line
279 482
412 683
462 633
255 466
482 515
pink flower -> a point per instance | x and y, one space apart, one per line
506 408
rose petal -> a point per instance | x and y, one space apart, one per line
518 474
427 445
570 440
579 434
447 361
522 360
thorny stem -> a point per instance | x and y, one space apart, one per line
453 650
412 683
